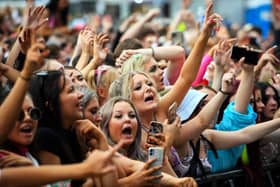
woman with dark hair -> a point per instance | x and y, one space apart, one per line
58 13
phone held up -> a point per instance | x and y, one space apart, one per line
156 152
251 55
156 127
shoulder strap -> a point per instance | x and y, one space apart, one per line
195 161
211 145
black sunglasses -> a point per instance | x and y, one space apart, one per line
34 113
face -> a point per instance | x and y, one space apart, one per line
271 104
258 102
144 94
76 77
24 130
149 41
91 111
70 102
123 123
155 72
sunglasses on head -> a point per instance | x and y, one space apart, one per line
34 114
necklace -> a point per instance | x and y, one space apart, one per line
146 129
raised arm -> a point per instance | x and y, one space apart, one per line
134 29
193 128
192 64
245 88
10 108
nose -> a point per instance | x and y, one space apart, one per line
80 95
272 101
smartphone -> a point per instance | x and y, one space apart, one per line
171 115
251 55
177 38
156 127
156 152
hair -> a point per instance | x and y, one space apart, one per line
106 111
88 95
130 43
45 91
145 31
123 85
262 86
52 6
135 63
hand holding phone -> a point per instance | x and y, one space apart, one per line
251 55
157 153
156 127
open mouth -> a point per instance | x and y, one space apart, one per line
149 98
26 129
127 130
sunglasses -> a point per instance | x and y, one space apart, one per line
34 114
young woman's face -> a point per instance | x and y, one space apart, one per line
76 77
155 72
123 123
71 102
271 104
24 130
144 94
91 111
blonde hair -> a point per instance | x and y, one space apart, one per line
123 86
135 63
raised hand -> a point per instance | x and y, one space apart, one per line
24 39
91 135
211 20
99 50
34 17
126 54
35 57
87 39
227 82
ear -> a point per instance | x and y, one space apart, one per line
101 91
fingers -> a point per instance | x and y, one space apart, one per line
209 10
116 148
148 163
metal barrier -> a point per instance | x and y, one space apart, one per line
236 178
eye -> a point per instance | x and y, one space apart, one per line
71 89
118 116
93 111
132 115
137 87
80 78
149 83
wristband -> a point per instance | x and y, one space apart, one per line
24 78
223 92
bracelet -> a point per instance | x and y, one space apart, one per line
223 92
24 78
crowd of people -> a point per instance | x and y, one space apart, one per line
78 105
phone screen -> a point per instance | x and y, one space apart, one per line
156 127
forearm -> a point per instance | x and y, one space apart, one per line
11 73
255 132
133 31
244 92
83 60
202 69
218 75
193 128
35 176
90 66
13 54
